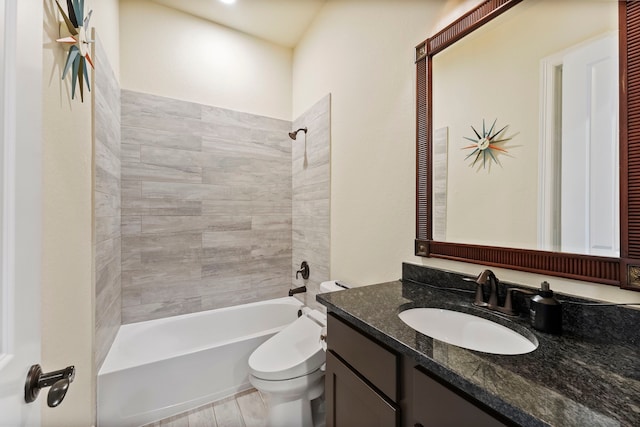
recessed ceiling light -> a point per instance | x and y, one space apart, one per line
228 1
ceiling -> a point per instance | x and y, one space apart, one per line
282 22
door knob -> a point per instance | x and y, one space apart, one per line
59 382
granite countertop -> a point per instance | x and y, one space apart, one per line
569 380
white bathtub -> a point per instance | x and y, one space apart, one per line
159 368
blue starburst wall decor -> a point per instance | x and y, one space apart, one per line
78 55
485 143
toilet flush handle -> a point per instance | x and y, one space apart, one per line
323 335
323 338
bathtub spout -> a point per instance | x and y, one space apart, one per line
297 290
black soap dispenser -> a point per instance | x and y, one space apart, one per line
546 311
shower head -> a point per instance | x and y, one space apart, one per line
293 135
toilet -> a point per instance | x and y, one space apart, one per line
289 369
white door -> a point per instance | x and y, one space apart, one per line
20 212
589 190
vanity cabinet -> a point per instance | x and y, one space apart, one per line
367 384
361 380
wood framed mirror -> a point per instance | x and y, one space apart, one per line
622 270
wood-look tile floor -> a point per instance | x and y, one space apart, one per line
246 409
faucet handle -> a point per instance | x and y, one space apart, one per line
508 302
304 270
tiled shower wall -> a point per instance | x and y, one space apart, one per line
206 207
311 191
106 99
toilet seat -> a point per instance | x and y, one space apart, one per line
293 352
312 385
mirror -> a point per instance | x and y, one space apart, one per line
544 252
548 179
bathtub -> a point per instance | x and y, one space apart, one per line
159 368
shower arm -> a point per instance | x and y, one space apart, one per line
294 134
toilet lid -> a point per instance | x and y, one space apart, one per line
293 352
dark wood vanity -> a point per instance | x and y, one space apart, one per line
381 372
369 384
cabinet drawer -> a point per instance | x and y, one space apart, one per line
374 362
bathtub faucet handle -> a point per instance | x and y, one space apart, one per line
304 270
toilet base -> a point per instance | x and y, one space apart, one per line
297 402
318 412
295 413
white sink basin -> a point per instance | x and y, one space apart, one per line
468 331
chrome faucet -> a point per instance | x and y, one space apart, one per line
487 276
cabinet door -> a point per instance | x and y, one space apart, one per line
351 402
435 405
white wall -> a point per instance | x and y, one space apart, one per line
67 270
105 19
176 55
363 54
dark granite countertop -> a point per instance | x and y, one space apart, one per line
574 379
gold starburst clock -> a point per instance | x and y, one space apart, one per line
484 144
78 55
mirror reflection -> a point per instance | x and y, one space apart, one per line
525 131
